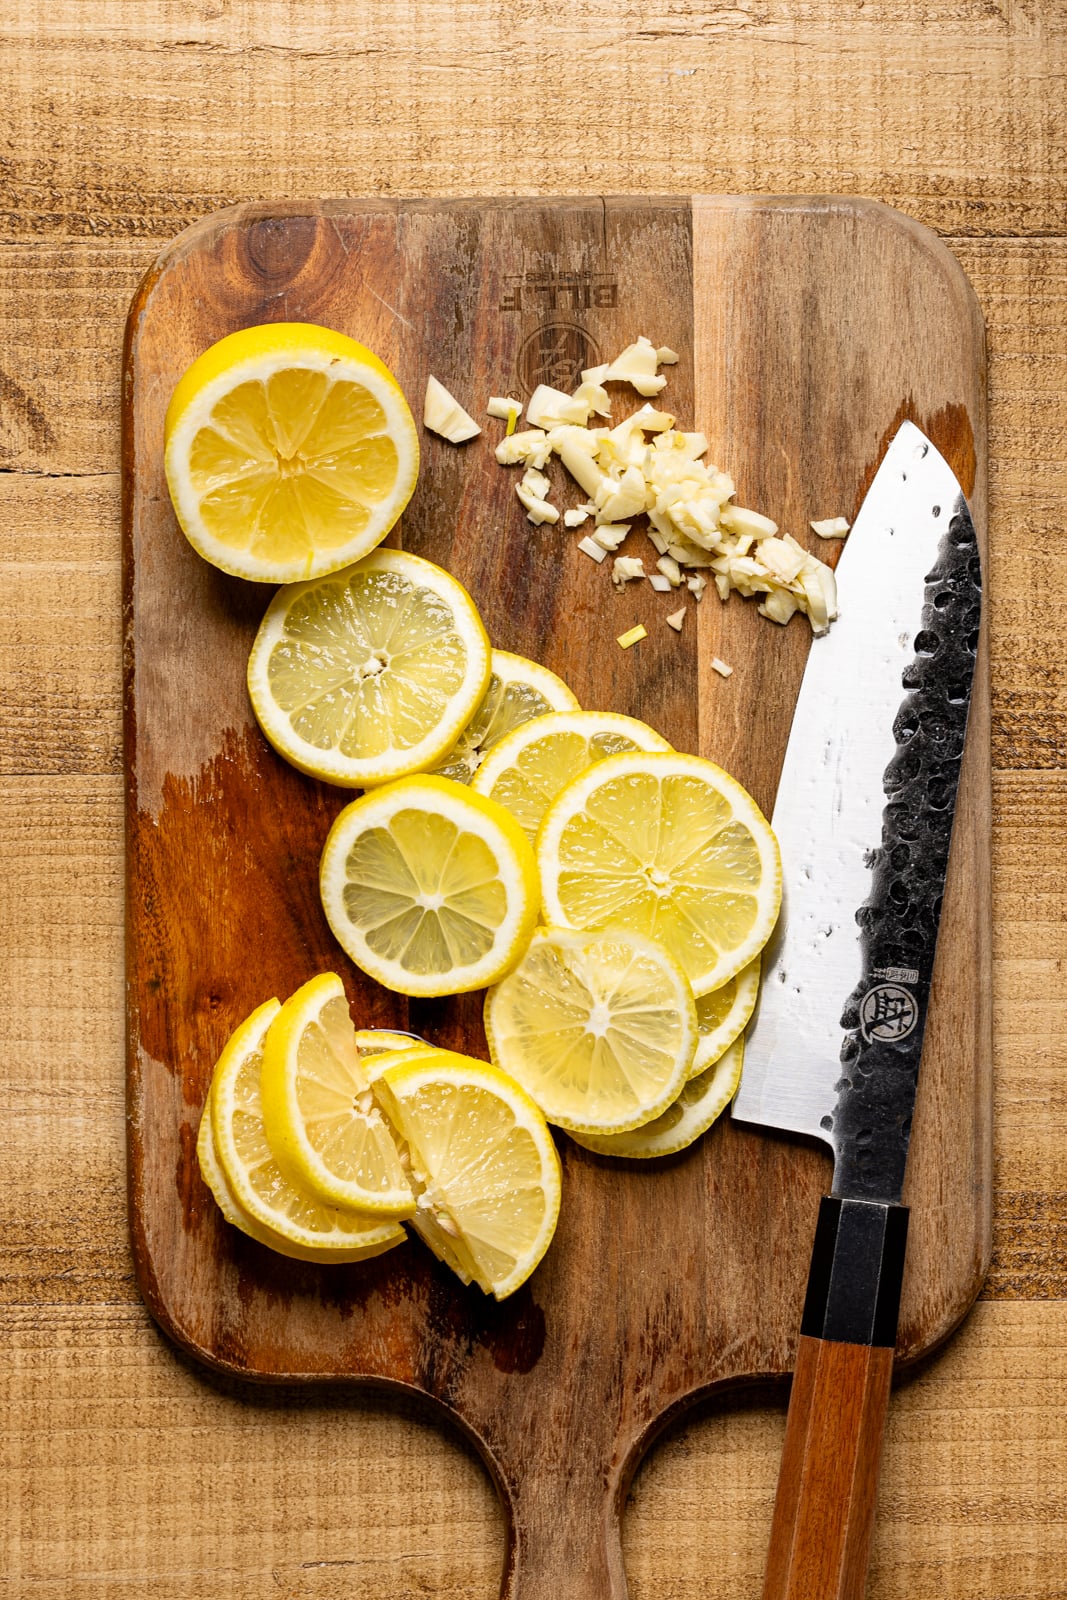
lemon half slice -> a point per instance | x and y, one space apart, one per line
429 888
243 1174
528 769
599 1028
702 1100
669 846
519 691
483 1161
289 451
319 1115
370 673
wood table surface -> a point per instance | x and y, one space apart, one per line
124 1469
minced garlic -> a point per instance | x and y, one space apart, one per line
646 465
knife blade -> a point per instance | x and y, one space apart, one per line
864 820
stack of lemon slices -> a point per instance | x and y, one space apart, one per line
490 799
306 1155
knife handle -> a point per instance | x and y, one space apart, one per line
824 1510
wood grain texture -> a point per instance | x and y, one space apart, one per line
124 1471
827 1484
562 1386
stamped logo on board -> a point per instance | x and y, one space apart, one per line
556 353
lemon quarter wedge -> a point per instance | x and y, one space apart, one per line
289 451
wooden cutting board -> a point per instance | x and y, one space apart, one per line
808 329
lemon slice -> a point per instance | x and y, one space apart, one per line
289 451
598 1028
702 1100
242 1173
528 769
483 1161
375 1041
723 1014
319 1115
518 691
669 846
370 673
430 889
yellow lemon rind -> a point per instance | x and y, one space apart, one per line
712 1045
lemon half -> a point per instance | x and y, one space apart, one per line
290 451
319 1114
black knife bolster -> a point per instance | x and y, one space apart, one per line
857 1266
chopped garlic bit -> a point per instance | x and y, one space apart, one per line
443 414
665 356
637 367
626 568
676 618
634 634
548 408
532 446
610 535
507 409
644 465
532 491
720 667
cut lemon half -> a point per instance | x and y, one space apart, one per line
702 1100
518 691
370 673
482 1160
289 451
252 1191
429 888
669 846
599 1028
319 1115
528 769
724 1014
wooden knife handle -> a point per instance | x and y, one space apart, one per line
824 1511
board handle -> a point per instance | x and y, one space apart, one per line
564 1540
824 1510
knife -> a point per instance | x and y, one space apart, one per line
864 821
